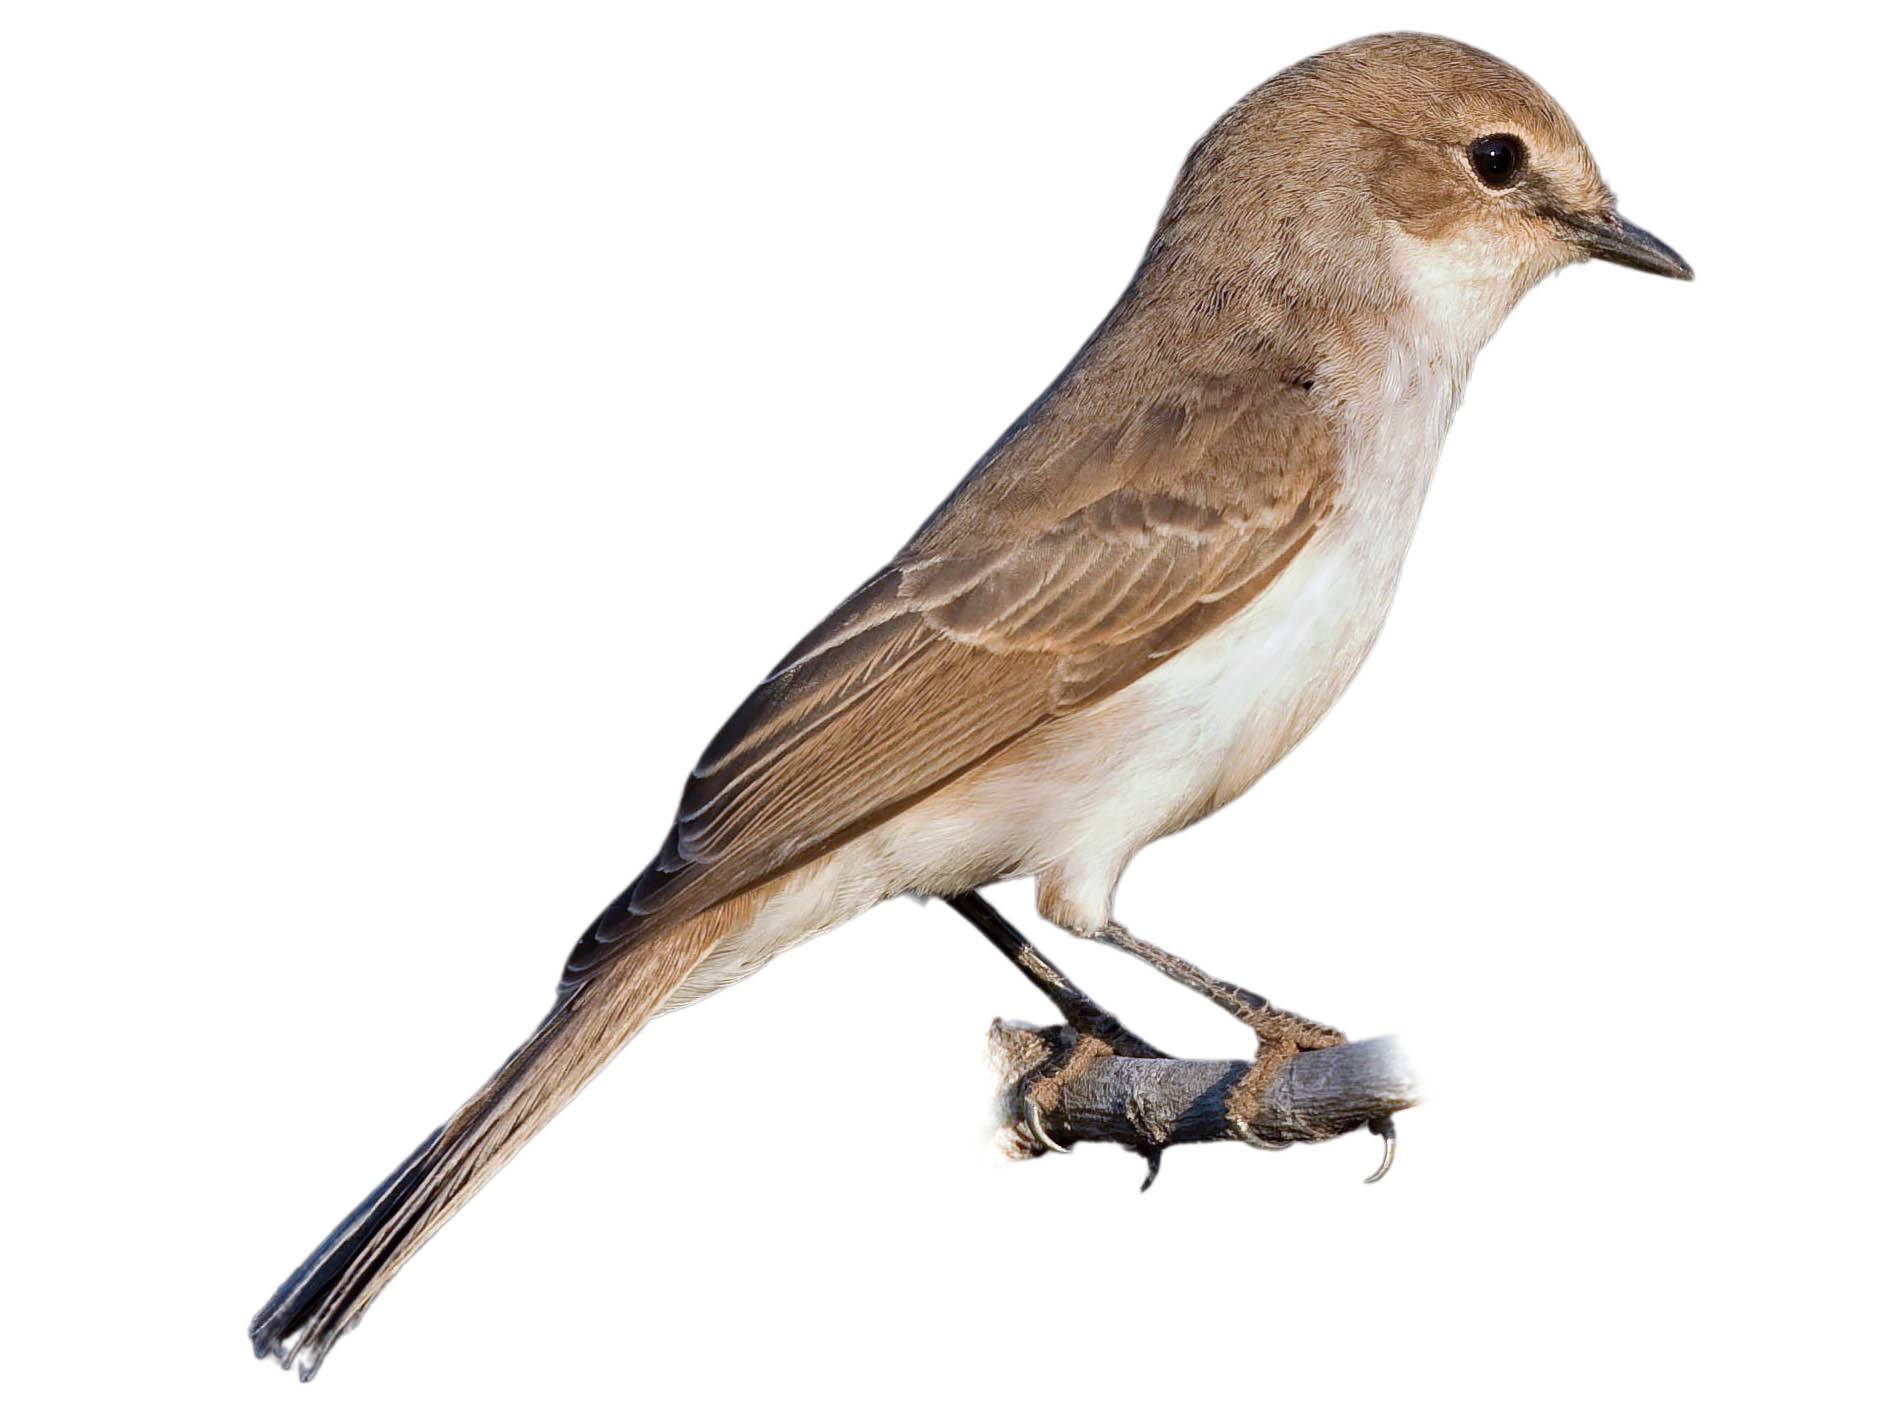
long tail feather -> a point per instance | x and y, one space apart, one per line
326 1296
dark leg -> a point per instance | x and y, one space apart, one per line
1083 1013
1282 1035
1273 1025
1098 1032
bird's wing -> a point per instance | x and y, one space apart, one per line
1064 568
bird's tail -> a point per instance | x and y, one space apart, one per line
326 1296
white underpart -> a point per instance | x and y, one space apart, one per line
1078 800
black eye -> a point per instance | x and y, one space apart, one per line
1498 159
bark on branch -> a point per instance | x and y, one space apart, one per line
1150 1103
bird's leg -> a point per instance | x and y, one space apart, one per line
1273 1025
1099 1033
1282 1035
1080 1011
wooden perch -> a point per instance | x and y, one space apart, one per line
1150 1103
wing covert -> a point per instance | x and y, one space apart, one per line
1060 571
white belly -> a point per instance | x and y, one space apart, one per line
1074 803
1201 729
1232 705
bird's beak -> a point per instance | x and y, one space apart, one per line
1610 237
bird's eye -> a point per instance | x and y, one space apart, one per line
1498 159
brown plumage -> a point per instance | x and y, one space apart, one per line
1138 600
1082 554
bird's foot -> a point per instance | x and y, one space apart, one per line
1089 1019
1385 1128
1091 1034
1278 1029
1040 1096
1282 1036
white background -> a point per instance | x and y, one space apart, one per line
422 423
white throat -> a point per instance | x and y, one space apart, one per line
1460 290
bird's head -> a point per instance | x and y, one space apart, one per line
1480 172
1404 167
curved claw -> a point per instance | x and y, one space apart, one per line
1032 1118
1385 1128
1244 1132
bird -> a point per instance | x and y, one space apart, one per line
1138 600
